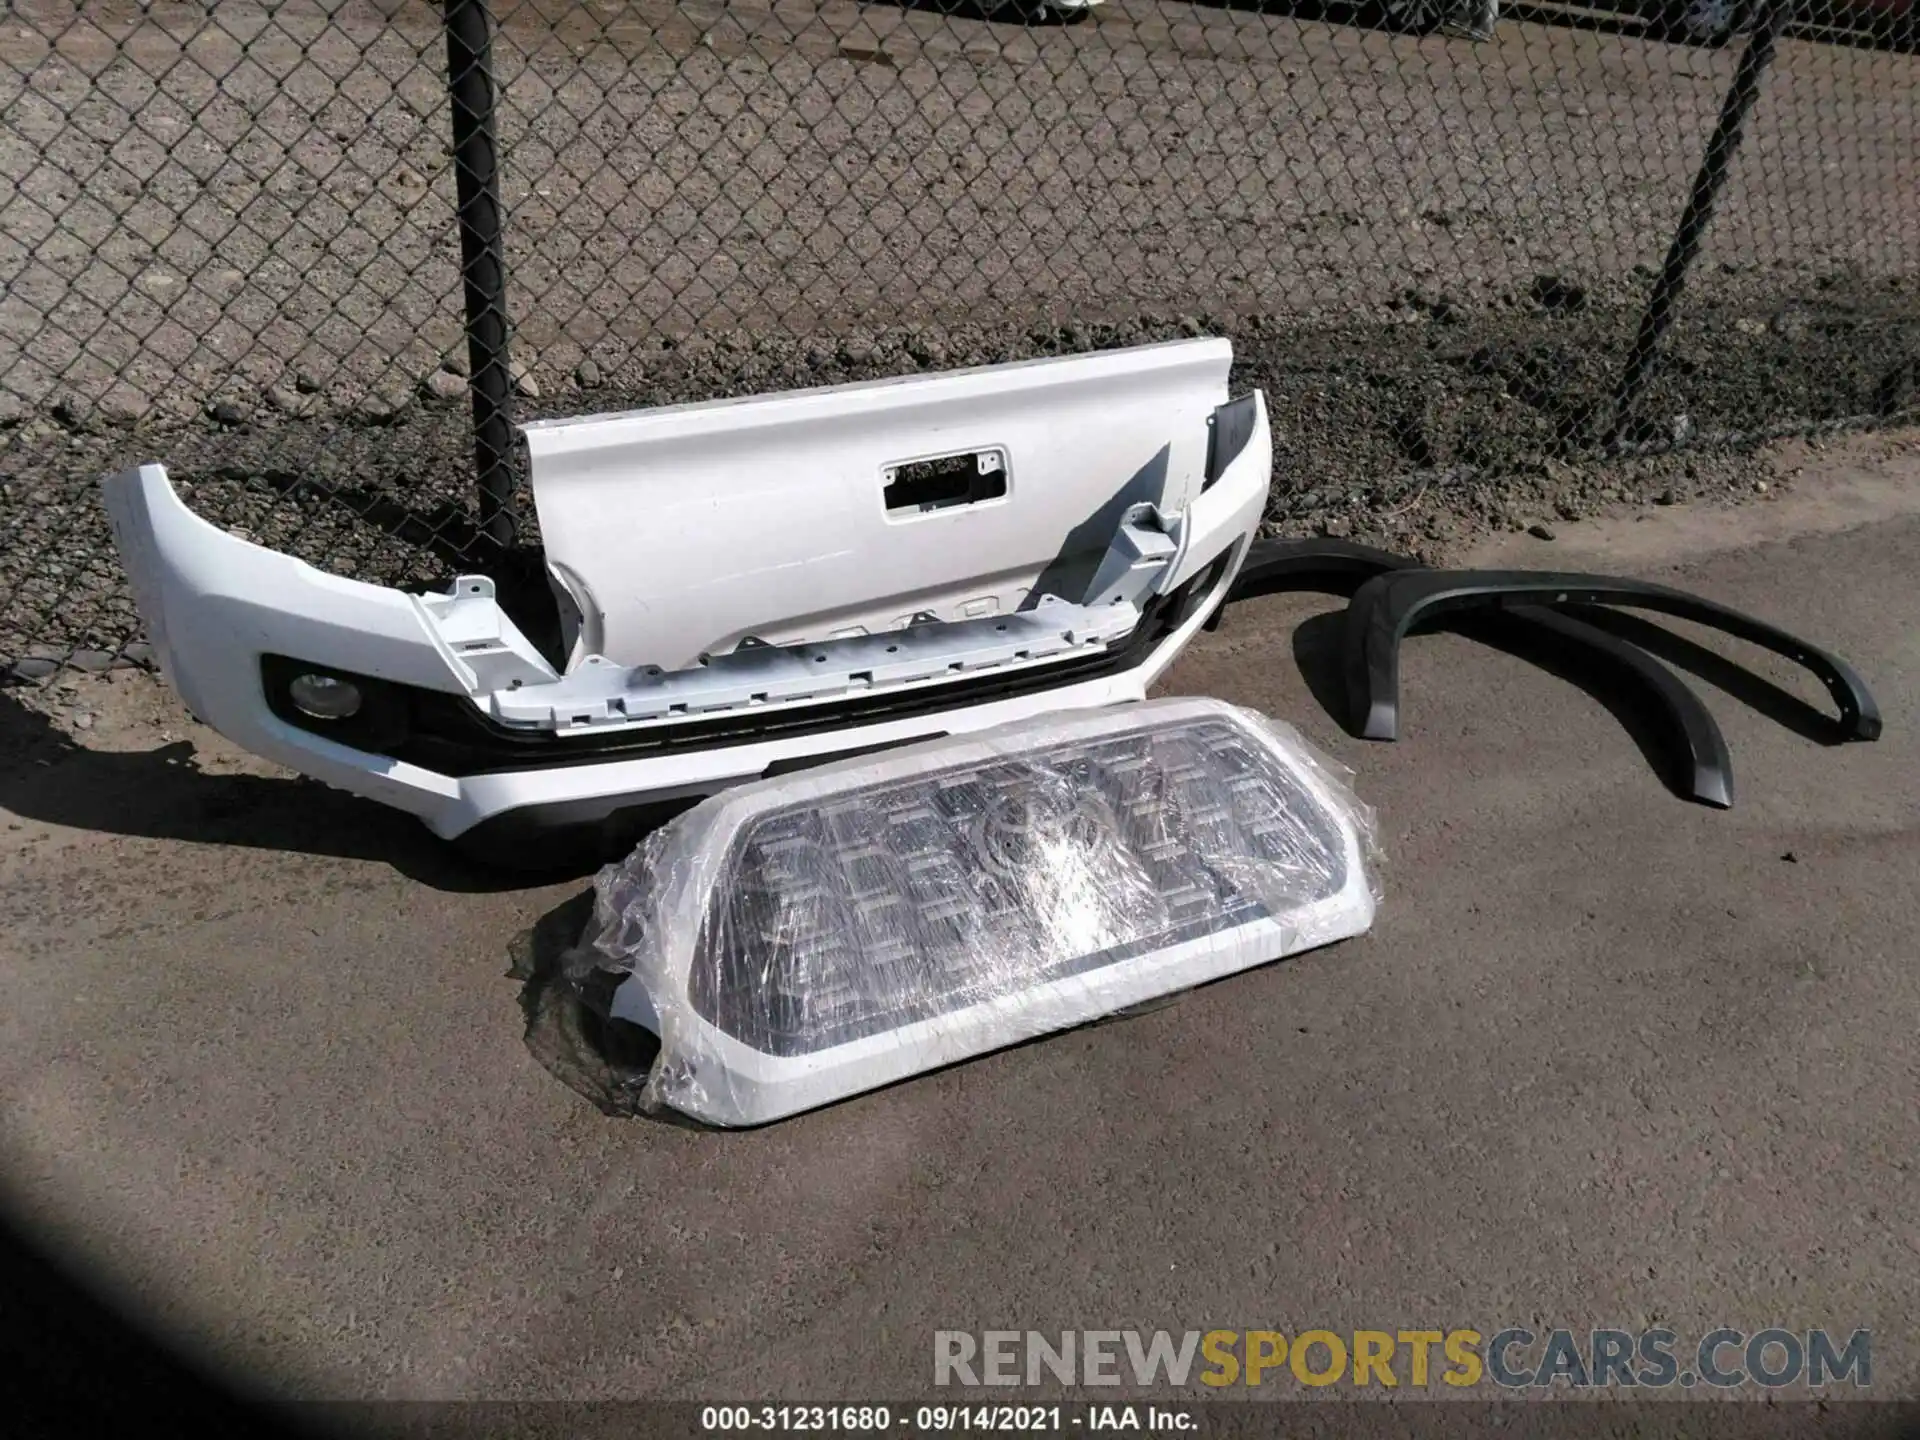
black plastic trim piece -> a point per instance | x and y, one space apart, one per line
1229 429
828 757
566 836
1273 566
1703 768
1386 607
378 727
949 482
1328 567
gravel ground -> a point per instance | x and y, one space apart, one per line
229 246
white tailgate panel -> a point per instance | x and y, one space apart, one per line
683 529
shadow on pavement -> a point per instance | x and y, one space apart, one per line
1319 652
1779 705
163 794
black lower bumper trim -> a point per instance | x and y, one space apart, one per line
445 733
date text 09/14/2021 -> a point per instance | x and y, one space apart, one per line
947 1419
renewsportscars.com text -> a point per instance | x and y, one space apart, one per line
1515 1358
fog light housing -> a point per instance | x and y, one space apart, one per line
324 697
801 939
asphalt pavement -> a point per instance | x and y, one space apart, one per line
1606 1059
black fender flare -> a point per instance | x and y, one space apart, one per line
1384 608
1333 567
1340 567
1703 765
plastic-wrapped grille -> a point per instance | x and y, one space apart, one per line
868 911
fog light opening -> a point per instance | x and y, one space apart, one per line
324 697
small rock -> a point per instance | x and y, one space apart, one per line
125 411
35 668
1759 487
91 662
1682 429
1337 526
227 412
445 387
587 375
454 362
139 653
523 382
1791 858
381 407
1540 531
1668 496
82 721
819 354
1749 325
1446 312
1789 324
305 382
1566 510
72 412
12 409
1189 325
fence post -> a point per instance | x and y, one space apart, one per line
1714 166
483 261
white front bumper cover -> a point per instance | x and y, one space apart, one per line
466 725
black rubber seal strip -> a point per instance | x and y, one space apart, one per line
1386 607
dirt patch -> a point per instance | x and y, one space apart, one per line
1427 427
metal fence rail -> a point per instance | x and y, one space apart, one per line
319 255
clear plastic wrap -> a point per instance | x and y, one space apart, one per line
804 938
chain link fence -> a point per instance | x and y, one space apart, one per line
318 256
